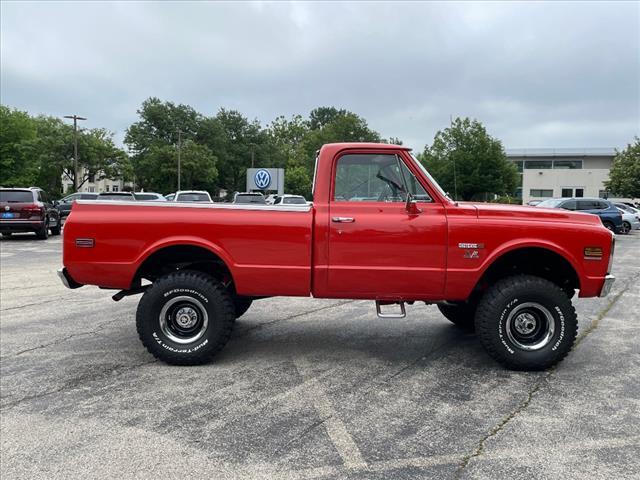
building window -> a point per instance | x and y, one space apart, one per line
603 194
92 189
538 164
567 164
567 192
535 192
106 188
579 192
92 178
115 188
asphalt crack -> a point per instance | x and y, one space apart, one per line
535 388
75 383
62 339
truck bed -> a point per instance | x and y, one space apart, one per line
267 249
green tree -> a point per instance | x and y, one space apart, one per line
297 181
624 177
468 162
17 131
38 151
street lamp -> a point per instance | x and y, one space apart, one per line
75 149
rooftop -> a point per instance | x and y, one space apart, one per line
561 152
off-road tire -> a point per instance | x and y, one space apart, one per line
207 297
241 304
461 314
496 317
43 233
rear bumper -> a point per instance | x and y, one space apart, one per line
606 286
20 225
66 279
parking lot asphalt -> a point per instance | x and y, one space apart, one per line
306 389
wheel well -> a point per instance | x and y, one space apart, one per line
180 257
532 261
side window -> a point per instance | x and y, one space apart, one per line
569 205
375 178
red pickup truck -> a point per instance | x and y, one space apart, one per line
379 228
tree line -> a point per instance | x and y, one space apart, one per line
215 151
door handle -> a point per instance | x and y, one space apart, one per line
343 219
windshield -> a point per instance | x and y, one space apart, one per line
431 179
551 203
193 197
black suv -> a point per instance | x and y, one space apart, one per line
28 210
64 205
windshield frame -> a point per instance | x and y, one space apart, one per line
432 180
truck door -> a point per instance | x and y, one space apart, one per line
377 247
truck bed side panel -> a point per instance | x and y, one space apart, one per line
268 251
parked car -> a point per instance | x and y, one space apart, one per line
28 210
149 197
630 221
608 213
290 200
508 271
188 196
270 199
169 197
533 203
628 208
117 196
249 197
64 205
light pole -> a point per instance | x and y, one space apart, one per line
75 149
179 155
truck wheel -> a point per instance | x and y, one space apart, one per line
185 318
241 305
526 323
461 314
43 233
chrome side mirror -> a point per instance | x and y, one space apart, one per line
412 206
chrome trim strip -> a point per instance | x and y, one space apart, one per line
606 286
63 277
221 206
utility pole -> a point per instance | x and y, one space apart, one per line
75 149
179 155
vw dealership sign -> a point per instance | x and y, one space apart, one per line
264 179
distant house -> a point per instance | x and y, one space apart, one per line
562 172
96 183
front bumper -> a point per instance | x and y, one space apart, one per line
606 286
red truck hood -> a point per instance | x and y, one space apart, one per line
534 213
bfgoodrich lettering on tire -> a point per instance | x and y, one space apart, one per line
185 318
526 323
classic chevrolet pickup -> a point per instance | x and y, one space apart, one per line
379 228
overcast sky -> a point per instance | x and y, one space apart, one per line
536 74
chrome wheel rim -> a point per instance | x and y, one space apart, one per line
183 319
530 326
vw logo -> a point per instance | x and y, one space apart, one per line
262 179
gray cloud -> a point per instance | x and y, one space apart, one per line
537 74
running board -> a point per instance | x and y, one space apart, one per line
402 314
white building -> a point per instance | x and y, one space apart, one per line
95 183
562 172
